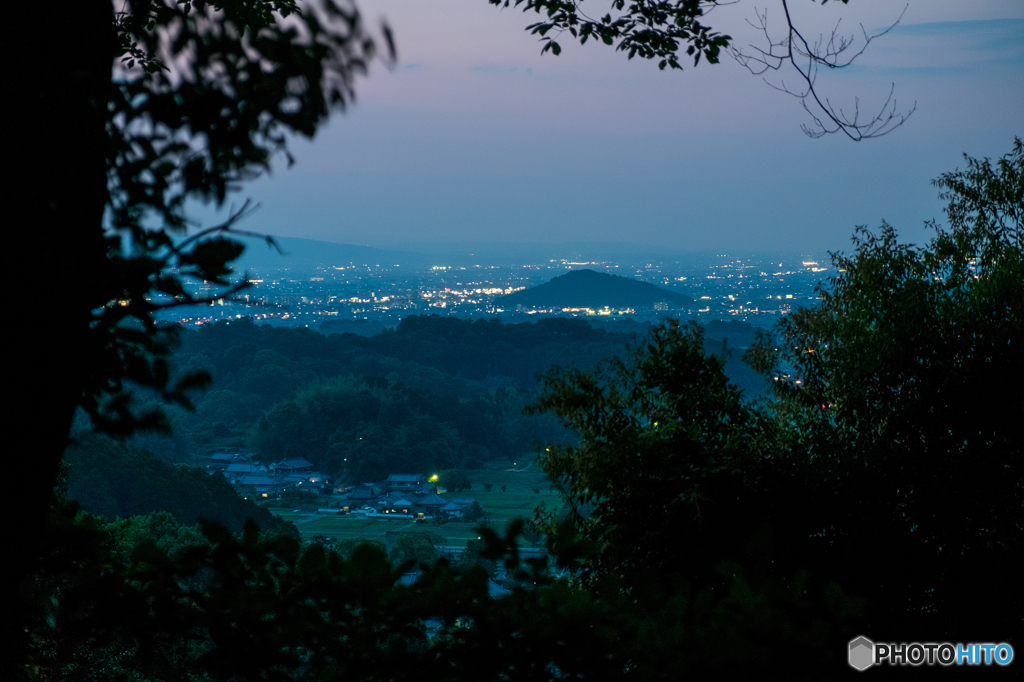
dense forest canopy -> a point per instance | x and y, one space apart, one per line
428 397
431 396
354 405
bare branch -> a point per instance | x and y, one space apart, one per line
227 226
142 306
835 51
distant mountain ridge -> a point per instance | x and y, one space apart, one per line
592 289
309 254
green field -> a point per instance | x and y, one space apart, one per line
518 500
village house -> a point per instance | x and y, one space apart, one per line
357 498
404 482
306 480
260 485
219 461
292 466
457 506
237 469
404 496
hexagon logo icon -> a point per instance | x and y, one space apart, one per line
862 653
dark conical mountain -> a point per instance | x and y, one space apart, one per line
590 289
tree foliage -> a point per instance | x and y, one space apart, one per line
116 481
415 549
201 98
678 494
650 29
904 390
124 117
279 389
886 467
661 436
454 480
259 608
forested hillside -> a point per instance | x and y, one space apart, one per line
434 393
113 480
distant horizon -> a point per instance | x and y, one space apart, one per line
491 249
474 141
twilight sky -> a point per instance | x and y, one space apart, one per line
475 138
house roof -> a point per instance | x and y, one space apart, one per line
259 479
294 463
431 500
409 578
302 474
242 468
458 505
404 478
397 497
496 591
303 477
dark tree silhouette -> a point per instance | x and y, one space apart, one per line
120 119
887 466
905 389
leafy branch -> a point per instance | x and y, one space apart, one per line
651 29
202 95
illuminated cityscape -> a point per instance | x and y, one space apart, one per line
755 289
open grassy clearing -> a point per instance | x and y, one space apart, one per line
289 515
357 526
454 532
519 498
